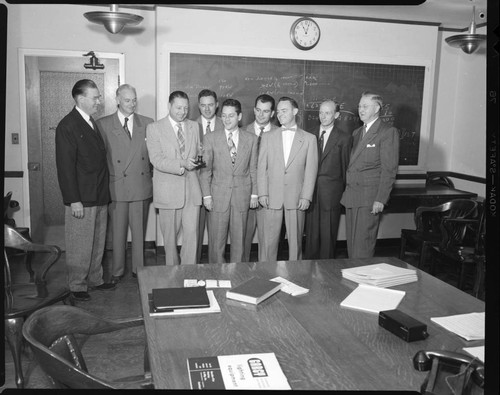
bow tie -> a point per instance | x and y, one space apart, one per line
292 129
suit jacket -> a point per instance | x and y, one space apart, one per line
128 160
229 184
82 171
218 126
332 168
169 188
286 183
373 166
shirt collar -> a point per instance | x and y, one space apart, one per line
175 123
205 121
327 130
257 127
121 117
369 124
83 114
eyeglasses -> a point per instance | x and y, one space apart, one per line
365 106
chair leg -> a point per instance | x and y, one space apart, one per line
403 248
423 255
13 333
479 279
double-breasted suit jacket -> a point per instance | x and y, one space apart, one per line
373 166
169 187
231 187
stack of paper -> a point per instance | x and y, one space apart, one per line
469 326
289 287
380 275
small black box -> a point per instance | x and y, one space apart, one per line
402 325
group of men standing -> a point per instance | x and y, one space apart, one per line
252 177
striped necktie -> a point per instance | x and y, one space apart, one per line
232 147
320 143
260 137
208 130
180 138
125 126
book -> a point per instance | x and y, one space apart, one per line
165 299
237 372
373 299
254 290
380 274
213 307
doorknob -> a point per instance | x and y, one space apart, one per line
33 166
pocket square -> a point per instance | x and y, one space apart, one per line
370 145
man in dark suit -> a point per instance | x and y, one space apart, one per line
130 185
370 176
263 112
286 174
229 183
84 182
208 122
323 217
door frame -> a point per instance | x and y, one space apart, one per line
22 53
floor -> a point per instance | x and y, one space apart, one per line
120 303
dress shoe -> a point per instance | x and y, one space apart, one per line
81 296
134 275
105 287
115 279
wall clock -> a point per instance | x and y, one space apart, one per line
305 33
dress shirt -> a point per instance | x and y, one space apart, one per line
85 116
368 125
130 123
288 135
176 127
326 136
257 127
235 138
204 123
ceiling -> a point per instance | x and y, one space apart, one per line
447 14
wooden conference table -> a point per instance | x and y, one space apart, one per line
319 345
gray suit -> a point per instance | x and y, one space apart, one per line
230 187
285 185
130 186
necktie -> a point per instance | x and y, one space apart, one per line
180 138
320 143
232 147
208 130
260 138
364 130
127 129
93 124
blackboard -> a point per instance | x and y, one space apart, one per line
309 82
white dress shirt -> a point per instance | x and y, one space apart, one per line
235 137
85 116
288 136
130 123
326 136
257 127
204 123
176 127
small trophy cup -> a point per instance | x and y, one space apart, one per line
200 162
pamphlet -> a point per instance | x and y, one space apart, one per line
242 372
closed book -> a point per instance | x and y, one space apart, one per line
166 299
254 290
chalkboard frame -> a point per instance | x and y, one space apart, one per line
164 68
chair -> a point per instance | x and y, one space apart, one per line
439 179
467 252
428 230
23 298
51 334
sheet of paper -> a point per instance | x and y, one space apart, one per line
209 283
477 352
289 287
469 326
373 299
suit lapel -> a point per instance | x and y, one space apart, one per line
93 134
298 141
224 147
138 136
363 142
332 140
242 149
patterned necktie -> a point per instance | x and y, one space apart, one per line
260 138
208 130
364 130
127 129
232 147
180 138
320 143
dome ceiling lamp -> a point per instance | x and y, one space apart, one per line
468 42
113 21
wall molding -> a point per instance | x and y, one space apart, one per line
13 174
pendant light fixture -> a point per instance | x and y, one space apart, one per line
113 21
468 42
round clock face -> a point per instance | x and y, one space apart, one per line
305 33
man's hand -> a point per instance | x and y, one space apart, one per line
254 202
77 210
189 164
303 204
377 208
264 201
208 203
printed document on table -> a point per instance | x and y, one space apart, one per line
469 326
477 352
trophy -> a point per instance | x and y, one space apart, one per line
200 162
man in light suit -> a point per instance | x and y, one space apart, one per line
286 174
264 112
208 123
173 144
323 217
84 182
370 176
130 185
229 183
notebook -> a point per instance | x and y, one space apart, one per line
165 299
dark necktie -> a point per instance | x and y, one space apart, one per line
364 130
232 147
260 138
180 138
320 143
125 126
208 130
